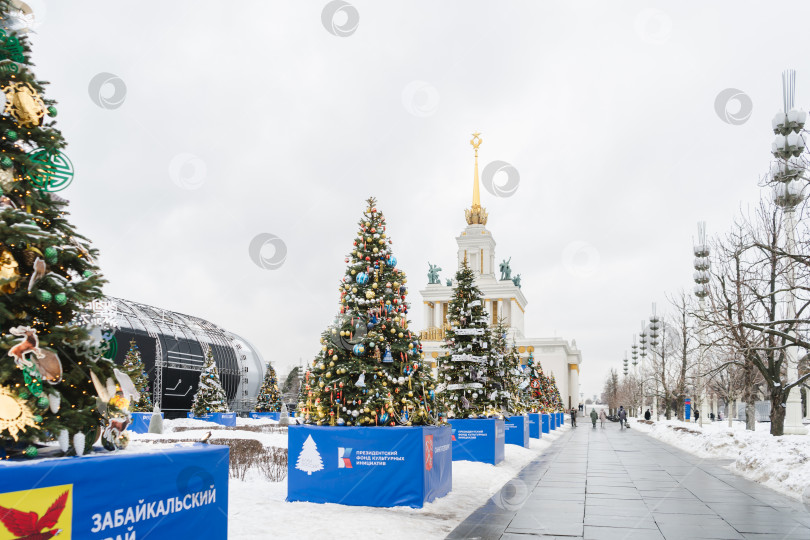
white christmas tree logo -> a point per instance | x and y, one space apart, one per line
309 460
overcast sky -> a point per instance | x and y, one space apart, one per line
243 118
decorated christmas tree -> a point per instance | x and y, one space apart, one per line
133 366
268 399
554 392
370 370
469 374
535 391
210 396
513 376
47 277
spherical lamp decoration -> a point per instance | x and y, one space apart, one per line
359 349
362 278
391 261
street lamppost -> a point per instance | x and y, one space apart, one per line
654 322
626 368
642 339
701 276
634 354
787 171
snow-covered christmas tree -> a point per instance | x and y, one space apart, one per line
506 360
210 396
468 374
133 366
268 399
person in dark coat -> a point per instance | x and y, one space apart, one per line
697 415
594 417
622 417
647 415
573 412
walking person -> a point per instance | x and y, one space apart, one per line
647 415
573 417
594 416
602 417
697 415
622 417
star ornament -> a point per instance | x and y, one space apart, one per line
15 416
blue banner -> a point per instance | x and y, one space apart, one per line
479 439
225 418
369 466
546 422
179 492
517 430
140 422
687 409
535 426
560 419
271 415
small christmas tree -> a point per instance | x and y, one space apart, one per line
309 460
269 399
133 366
210 396
469 373
512 380
554 392
535 393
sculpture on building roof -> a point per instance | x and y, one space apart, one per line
449 282
516 281
433 274
506 270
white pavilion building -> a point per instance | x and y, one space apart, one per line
504 299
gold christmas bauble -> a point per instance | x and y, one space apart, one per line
335 357
15 416
24 104
400 334
328 374
373 285
9 272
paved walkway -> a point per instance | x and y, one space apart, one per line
607 484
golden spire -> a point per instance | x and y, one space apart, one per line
476 215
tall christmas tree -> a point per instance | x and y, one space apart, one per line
210 396
510 373
469 374
269 399
133 366
47 274
370 370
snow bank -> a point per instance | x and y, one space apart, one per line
781 463
257 507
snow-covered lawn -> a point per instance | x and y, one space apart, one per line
257 507
781 463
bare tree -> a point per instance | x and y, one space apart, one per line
746 314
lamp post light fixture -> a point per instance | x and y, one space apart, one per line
654 327
701 277
626 368
787 171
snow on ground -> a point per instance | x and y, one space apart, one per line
781 463
257 507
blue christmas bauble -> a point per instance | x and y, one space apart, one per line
362 278
359 350
392 261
